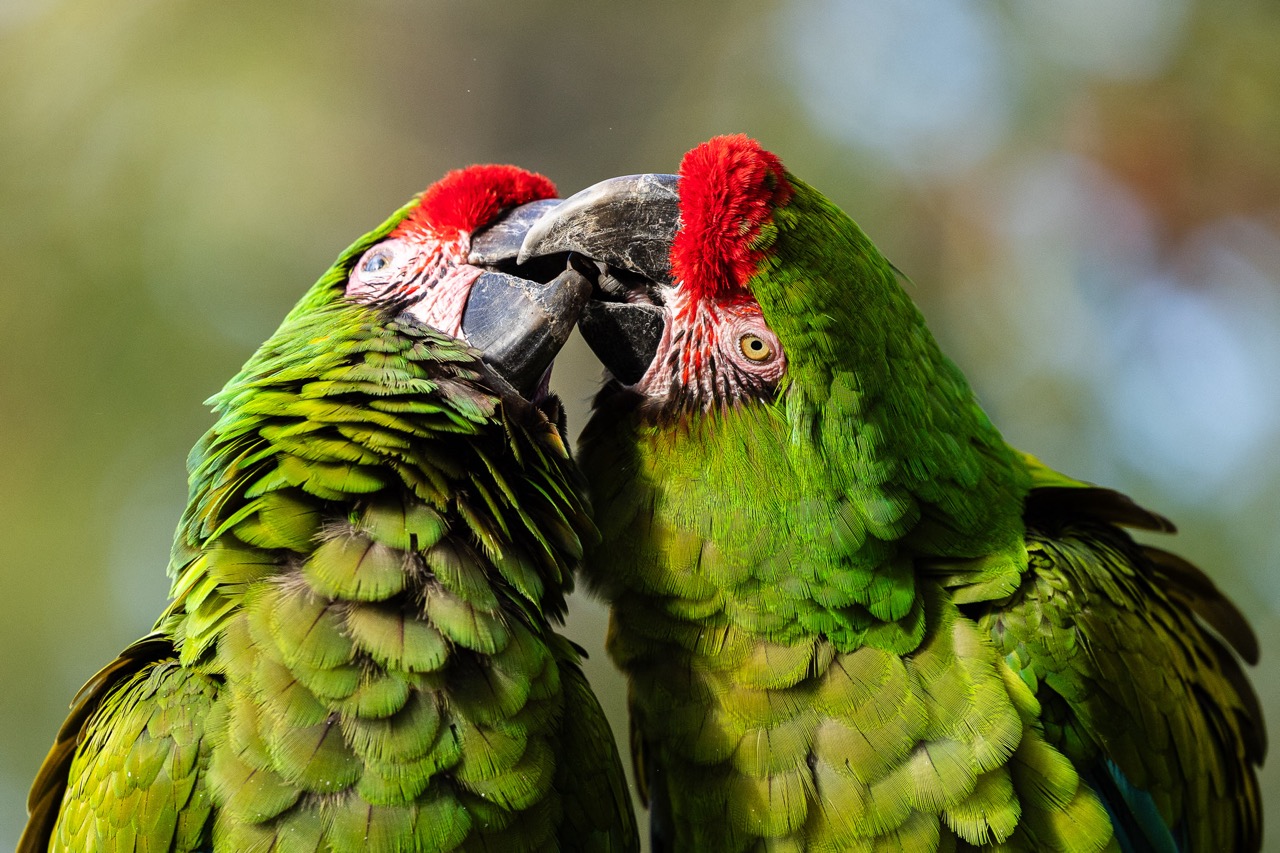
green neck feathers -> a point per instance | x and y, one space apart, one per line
821 511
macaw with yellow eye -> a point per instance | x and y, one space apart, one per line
382 527
851 615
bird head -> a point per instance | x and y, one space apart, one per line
448 260
731 281
738 303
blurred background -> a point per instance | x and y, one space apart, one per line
1086 194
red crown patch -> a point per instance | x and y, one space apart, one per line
729 188
466 199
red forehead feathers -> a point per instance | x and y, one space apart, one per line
467 199
729 187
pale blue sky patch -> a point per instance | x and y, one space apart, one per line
921 83
1192 399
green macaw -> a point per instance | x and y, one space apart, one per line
851 616
382 527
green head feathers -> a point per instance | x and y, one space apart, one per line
851 616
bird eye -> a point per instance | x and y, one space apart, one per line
376 260
755 347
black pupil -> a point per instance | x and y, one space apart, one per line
756 344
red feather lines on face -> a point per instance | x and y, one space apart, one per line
699 327
729 187
465 200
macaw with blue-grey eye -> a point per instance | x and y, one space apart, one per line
382 527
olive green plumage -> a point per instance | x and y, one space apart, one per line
360 652
853 618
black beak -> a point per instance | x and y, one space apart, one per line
627 224
520 323
499 242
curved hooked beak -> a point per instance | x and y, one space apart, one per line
624 224
519 317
